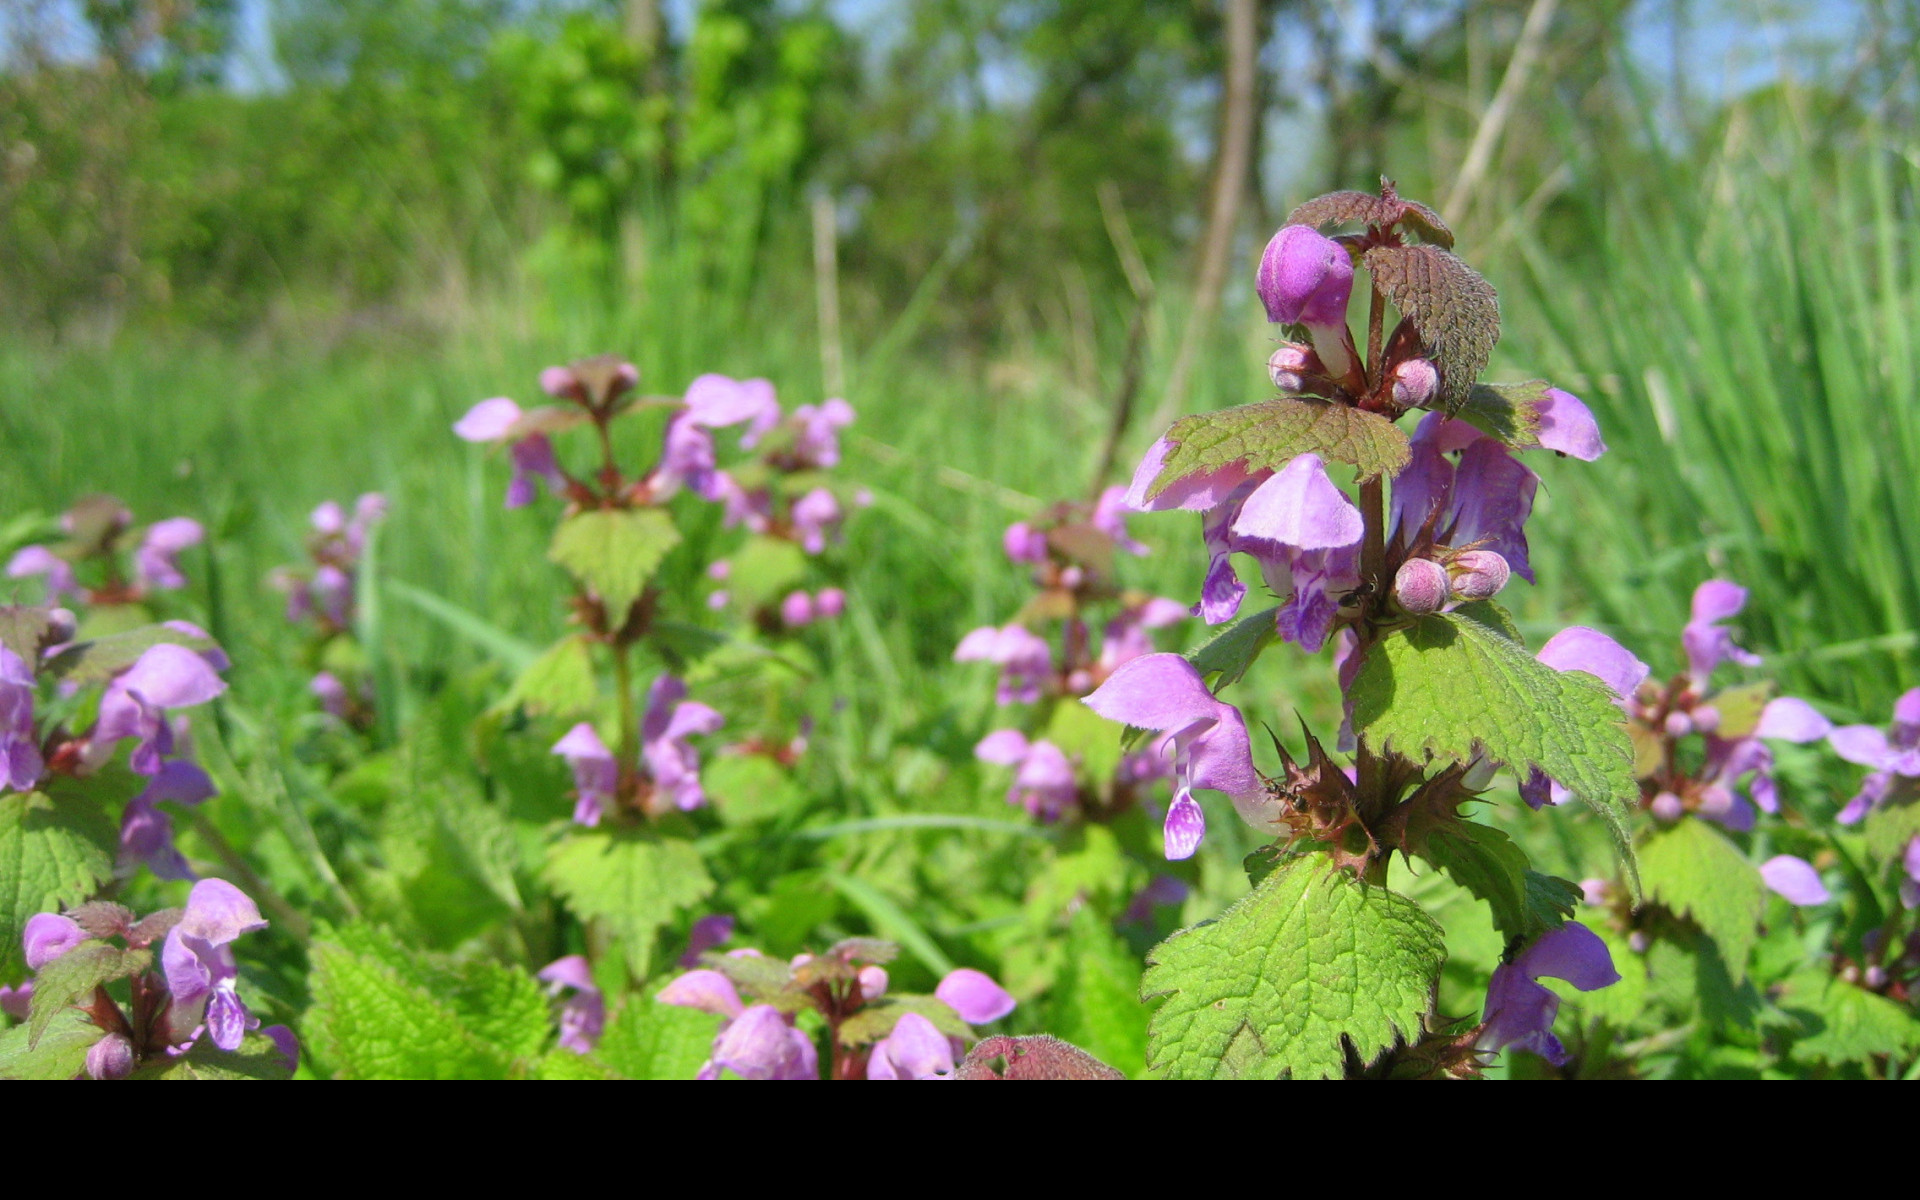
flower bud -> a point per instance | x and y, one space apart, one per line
1305 278
1715 801
1678 724
796 610
47 937
1876 977
1420 586
1706 718
1025 544
1072 578
1285 365
1415 382
1597 892
719 570
873 983
1668 807
110 1058
1479 574
1638 941
830 603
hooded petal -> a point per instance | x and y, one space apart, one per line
47 936
1573 953
1300 507
1195 492
1567 426
1792 720
170 676
1003 746
914 1050
218 912
705 989
1795 879
974 995
488 421
1155 691
1578 648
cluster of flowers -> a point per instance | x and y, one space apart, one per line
1070 551
667 776
873 1035
180 672
194 993
324 596
88 567
1894 756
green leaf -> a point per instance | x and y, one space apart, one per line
1486 862
72 977
383 1010
1270 434
764 570
750 787
645 1039
1697 873
632 880
25 629
100 659
1448 681
257 1058
1456 312
1506 412
560 682
877 1020
1890 828
53 855
1087 737
1845 1023
60 1052
1340 208
614 552
1095 1002
1310 962
1234 649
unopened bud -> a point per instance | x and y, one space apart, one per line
796 610
873 983
1305 278
1479 574
110 1058
1706 718
1420 586
1415 382
1876 977
830 603
1597 892
1668 807
1477 777
1638 941
1072 578
1285 365
1715 801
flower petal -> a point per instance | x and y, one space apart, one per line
1795 879
974 995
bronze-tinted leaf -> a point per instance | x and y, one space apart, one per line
1456 311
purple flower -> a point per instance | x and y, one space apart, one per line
1025 544
1195 492
17 1002
1026 661
829 603
199 965
596 776
38 560
914 1050
760 1044
1567 426
1306 279
110 1058
796 610
1910 886
974 995
135 702
1894 754
1164 693
47 936
705 989
708 932
154 562
20 759
287 1044
1126 635
1577 648
686 460
1482 503
146 833
1520 1012
501 420
669 721
1110 518
1795 879
584 1014
818 442
717 401
1042 778
332 694
815 515
1707 644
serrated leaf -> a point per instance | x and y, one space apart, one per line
256 1058
1448 681
1095 1002
764 570
1236 648
1455 310
614 552
632 880
72 977
877 1020
1339 208
1310 962
1270 434
97 660
645 1039
60 1052
383 1010
1845 1023
560 682
1486 862
1506 412
1696 872
1740 708
1890 828
53 855
24 629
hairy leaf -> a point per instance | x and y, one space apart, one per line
645 1039
1890 828
1456 311
1270 434
1095 1002
25 629
97 660
1448 681
1234 649
560 682
877 1020
1695 871
631 880
1311 962
614 552
59 1053
1506 412
764 570
1365 208
1845 1023
71 978
1486 862
257 1058
53 855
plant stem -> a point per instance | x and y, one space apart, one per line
623 686
1373 493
